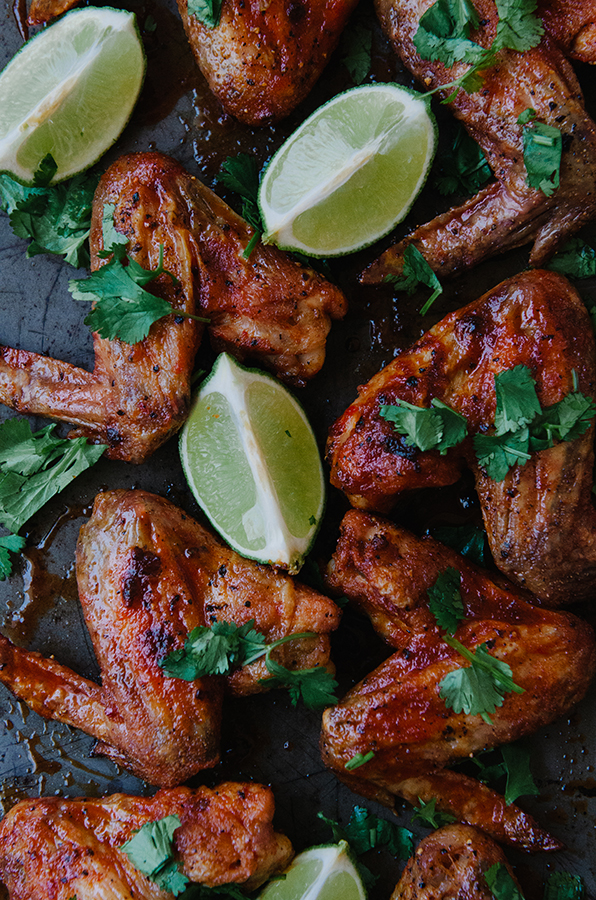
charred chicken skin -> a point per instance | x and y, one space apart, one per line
540 520
397 711
508 213
63 848
268 309
262 59
450 863
147 575
572 24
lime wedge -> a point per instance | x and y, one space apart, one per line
251 460
321 873
350 172
69 92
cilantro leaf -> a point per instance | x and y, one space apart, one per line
9 543
480 688
564 886
501 883
197 891
563 421
464 167
528 115
520 782
438 428
36 466
359 759
416 271
428 813
468 540
518 27
365 831
213 650
517 403
315 687
45 171
151 851
445 600
206 11
356 46
241 174
543 146
576 259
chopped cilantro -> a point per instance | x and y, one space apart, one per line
501 883
445 600
416 271
514 766
499 453
428 813
480 688
9 543
151 851
518 27
563 886
241 174
576 260
464 168
528 115
206 11
468 540
215 650
365 831
35 467
359 759
355 50
437 428
543 147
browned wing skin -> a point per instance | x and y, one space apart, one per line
508 213
148 574
397 711
572 24
268 309
42 11
450 863
263 58
540 519
63 848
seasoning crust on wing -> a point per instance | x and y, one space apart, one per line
50 847
397 711
540 520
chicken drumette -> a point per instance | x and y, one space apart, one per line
64 848
147 575
540 519
508 213
268 309
397 711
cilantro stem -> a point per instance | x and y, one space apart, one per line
505 680
251 244
266 651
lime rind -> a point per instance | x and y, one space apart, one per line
262 489
326 872
360 156
70 91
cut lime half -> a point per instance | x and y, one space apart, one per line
321 873
350 172
251 460
69 92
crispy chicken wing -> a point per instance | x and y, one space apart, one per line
450 863
508 213
397 712
263 58
63 848
572 24
540 520
268 309
147 575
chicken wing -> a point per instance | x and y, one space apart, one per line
540 520
508 213
572 24
263 58
450 863
63 848
397 711
268 309
147 575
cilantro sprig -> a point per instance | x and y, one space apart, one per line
469 540
151 851
514 767
365 831
206 11
501 883
464 168
355 49
439 427
241 174
216 649
564 886
477 689
444 31
576 259
122 307
9 543
430 815
445 600
416 271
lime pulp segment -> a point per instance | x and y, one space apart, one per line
322 873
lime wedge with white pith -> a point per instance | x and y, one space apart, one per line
350 172
321 873
251 460
69 92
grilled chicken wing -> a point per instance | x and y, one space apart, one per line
147 575
64 848
540 520
450 863
268 309
397 712
508 213
572 24
263 58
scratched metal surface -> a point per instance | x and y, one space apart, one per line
264 738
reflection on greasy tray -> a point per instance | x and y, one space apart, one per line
264 738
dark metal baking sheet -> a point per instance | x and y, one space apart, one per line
264 737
